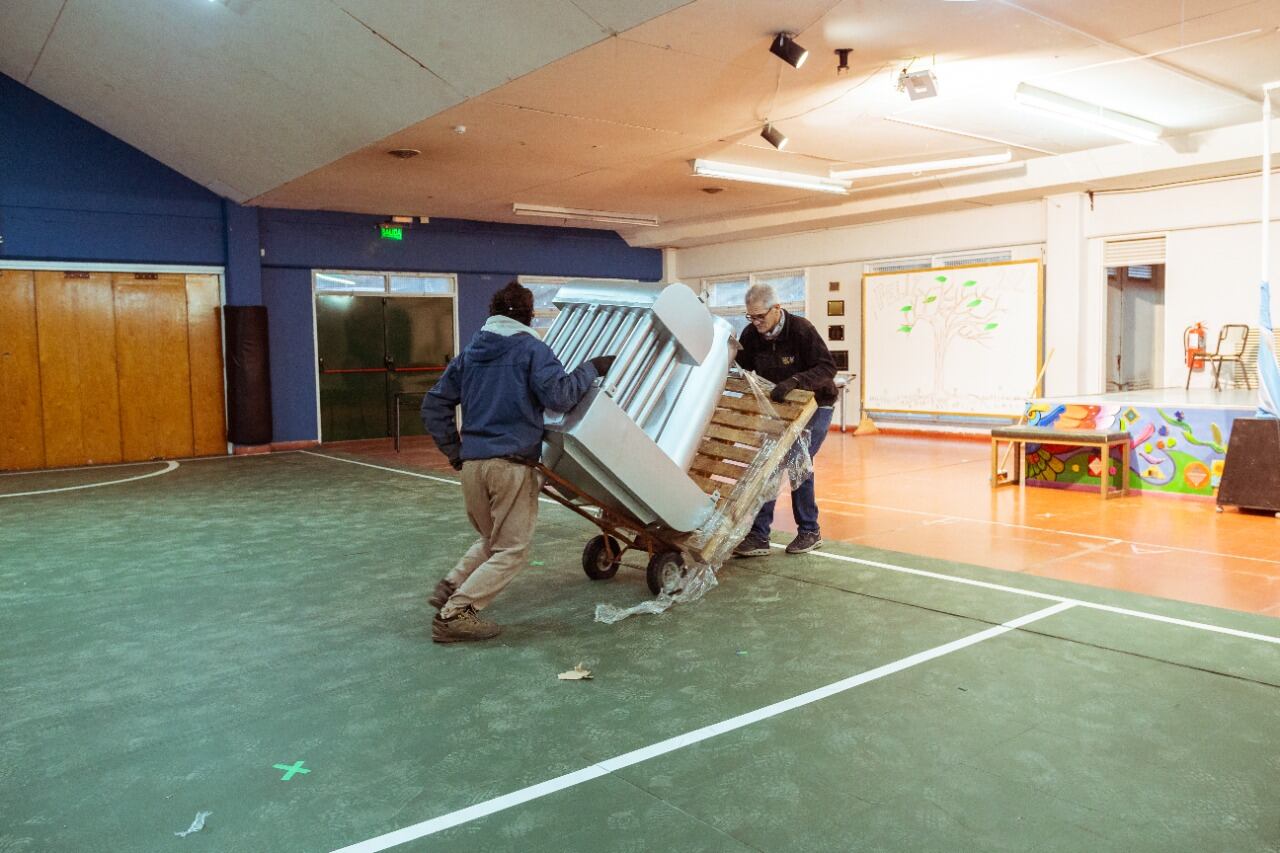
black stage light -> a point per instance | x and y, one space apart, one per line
774 137
785 48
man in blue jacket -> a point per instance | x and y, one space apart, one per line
503 381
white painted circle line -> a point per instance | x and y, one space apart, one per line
620 762
168 466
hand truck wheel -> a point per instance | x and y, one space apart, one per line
665 572
601 557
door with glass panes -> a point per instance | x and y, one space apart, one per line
375 348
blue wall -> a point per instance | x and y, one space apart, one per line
69 191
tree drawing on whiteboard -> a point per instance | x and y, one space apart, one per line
953 311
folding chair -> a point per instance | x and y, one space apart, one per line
1233 339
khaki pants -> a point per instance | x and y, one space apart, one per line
502 503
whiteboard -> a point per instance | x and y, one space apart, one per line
952 340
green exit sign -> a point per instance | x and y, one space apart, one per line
391 232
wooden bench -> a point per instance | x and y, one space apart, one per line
1019 436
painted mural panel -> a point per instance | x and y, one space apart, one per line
1177 451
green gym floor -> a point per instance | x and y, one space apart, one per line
169 640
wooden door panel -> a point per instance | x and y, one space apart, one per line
154 366
204 339
75 322
21 425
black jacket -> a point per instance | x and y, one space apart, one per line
798 354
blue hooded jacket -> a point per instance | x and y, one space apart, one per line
504 380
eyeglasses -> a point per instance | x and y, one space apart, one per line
756 318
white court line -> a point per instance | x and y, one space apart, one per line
1014 524
1140 614
620 762
402 471
1124 611
169 466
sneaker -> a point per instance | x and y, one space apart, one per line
443 592
805 542
752 546
463 626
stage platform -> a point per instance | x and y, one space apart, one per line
1179 438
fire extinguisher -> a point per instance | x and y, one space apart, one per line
1193 343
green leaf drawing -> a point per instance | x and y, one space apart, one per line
941 278
975 303
905 308
969 283
904 328
930 299
989 327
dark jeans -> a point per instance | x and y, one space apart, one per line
804 506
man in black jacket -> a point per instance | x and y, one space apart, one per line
788 351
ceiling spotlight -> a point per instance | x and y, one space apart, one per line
843 53
404 153
785 48
774 137
918 84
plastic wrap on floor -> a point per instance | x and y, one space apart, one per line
695 582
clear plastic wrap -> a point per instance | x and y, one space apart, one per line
731 521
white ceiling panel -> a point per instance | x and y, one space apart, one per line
621 15
250 97
24 26
475 52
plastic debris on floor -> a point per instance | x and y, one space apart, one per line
578 673
196 825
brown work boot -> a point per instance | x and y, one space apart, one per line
463 626
443 591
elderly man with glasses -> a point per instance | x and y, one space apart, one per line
788 351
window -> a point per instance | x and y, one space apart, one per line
981 256
421 284
404 284
545 289
726 297
901 265
328 282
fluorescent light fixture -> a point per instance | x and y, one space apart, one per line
402 220
785 48
772 177
581 213
923 166
774 137
1098 118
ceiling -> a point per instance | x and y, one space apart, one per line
601 104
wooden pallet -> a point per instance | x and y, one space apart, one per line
734 445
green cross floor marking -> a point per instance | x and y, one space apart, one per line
290 770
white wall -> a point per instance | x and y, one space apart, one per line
1211 272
